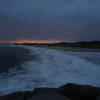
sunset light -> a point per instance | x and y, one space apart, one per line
50 49
29 41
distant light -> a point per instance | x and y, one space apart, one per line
29 41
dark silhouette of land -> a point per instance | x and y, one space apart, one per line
91 44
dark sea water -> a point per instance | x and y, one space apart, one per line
13 56
25 68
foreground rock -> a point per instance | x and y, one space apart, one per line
66 92
79 92
50 96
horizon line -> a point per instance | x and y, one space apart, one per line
43 42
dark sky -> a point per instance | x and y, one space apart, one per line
65 20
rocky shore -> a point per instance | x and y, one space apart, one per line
66 92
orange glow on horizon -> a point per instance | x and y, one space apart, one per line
29 41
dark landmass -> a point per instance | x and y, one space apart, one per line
91 44
66 92
13 56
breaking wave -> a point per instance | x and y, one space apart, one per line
53 68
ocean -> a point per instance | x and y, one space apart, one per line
28 67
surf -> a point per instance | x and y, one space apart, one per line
52 68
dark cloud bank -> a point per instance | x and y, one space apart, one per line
66 20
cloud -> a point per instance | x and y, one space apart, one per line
50 19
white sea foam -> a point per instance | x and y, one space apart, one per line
52 69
